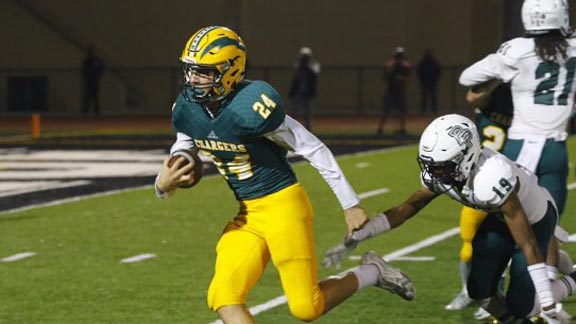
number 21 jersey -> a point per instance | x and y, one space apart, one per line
542 91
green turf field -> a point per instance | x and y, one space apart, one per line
76 275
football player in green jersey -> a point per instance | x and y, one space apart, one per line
242 126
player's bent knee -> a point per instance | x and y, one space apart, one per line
216 300
303 311
478 294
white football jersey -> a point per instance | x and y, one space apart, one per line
491 182
542 91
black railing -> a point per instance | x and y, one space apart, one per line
342 90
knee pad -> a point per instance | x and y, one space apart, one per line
217 298
304 311
466 252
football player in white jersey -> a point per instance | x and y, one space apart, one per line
540 68
493 109
520 222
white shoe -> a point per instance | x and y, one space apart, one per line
562 316
565 263
459 302
481 314
550 320
390 278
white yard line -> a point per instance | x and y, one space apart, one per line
78 198
280 300
422 244
406 258
138 258
373 193
18 188
362 165
19 256
416 259
571 186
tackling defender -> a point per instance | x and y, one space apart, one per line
493 108
241 124
521 219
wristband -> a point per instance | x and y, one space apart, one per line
375 226
541 283
162 194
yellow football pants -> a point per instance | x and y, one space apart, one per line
277 227
470 220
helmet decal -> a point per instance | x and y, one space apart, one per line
221 43
196 41
461 135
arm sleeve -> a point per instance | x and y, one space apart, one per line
491 67
183 142
294 137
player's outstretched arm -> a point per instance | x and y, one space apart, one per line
296 138
383 222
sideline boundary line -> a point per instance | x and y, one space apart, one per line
115 191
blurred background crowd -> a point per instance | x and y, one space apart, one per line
120 58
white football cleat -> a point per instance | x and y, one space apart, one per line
562 316
565 263
481 314
459 302
390 278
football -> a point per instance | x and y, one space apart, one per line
190 156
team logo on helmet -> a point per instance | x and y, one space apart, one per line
462 135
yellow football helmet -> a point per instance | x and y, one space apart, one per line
213 49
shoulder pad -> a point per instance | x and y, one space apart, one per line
259 108
515 48
494 181
179 109
179 102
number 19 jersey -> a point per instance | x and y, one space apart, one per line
491 182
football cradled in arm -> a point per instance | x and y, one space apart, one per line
182 169
182 158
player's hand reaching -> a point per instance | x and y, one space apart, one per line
335 255
373 227
355 217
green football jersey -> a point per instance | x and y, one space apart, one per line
494 119
500 108
252 165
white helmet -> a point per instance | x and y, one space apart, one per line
449 148
541 16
